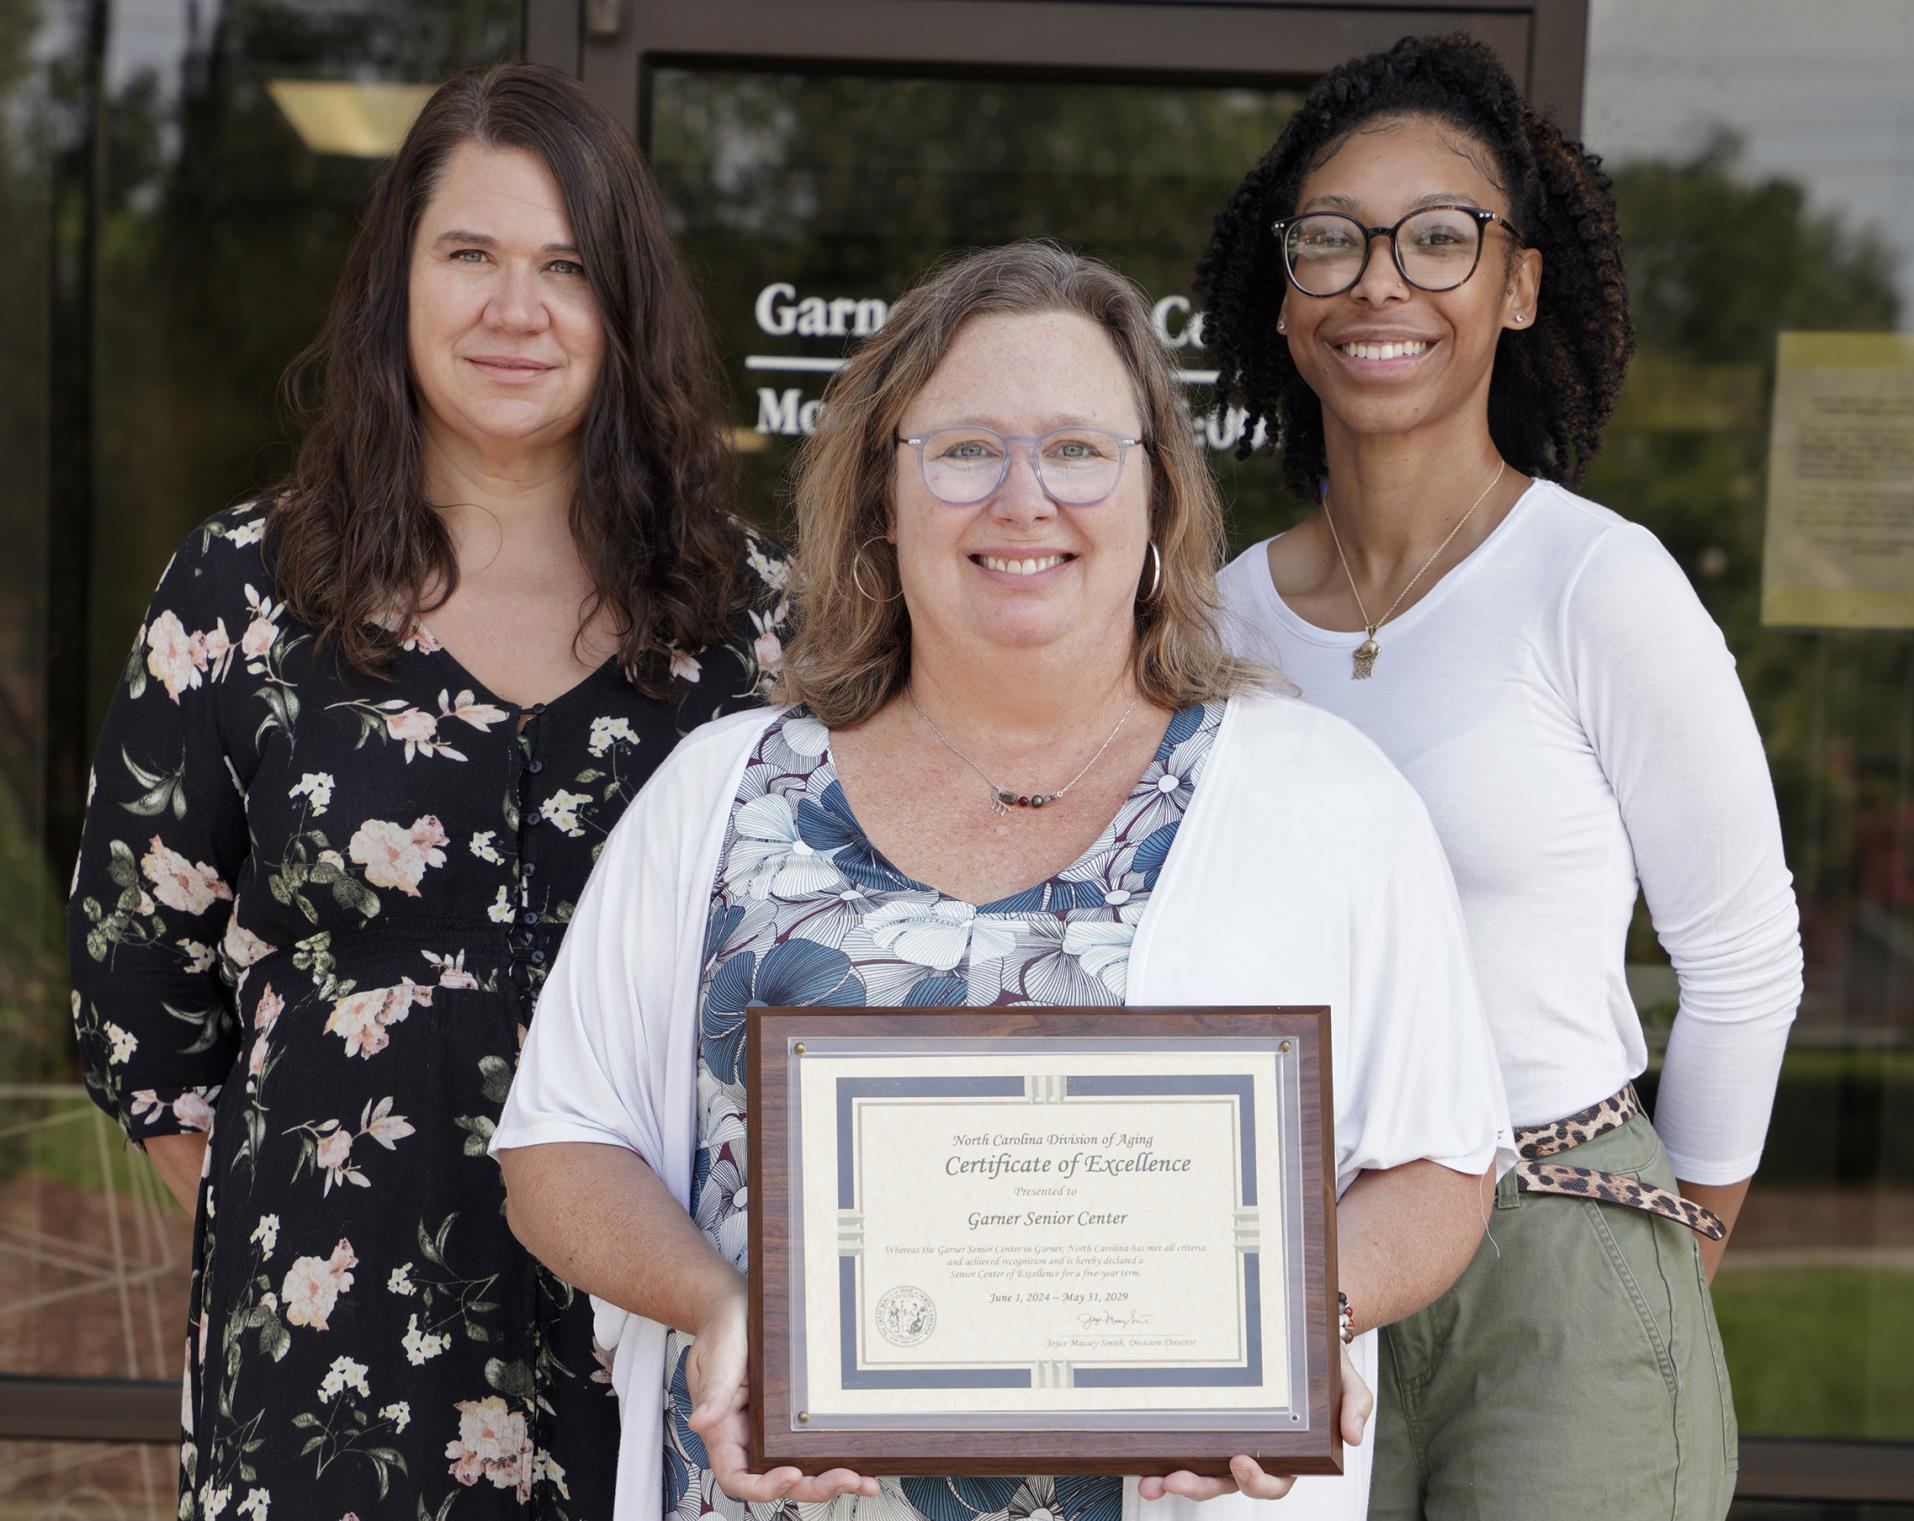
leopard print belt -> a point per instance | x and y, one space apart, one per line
1535 1176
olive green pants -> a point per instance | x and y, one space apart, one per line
1574 1370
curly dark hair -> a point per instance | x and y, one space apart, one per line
1554 383
355 538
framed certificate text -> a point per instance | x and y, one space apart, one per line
1042 1241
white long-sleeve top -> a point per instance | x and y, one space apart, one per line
1305 872
1572 718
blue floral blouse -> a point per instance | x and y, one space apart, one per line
806 911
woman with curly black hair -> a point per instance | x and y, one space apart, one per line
1418 296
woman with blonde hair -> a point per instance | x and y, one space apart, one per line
1016 767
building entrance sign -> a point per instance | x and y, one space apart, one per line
808 200
788 408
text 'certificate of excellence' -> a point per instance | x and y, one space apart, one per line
1007 1234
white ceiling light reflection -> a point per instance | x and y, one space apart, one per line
339 116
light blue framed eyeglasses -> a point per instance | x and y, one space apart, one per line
1077 467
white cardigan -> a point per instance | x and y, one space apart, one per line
1306 871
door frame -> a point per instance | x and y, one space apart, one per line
1542 42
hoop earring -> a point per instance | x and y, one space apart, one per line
1148 599
857 574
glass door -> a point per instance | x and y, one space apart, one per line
817 160
177 182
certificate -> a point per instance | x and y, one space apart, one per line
1042 1241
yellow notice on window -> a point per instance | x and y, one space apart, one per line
1840 545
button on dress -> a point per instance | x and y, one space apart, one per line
311 915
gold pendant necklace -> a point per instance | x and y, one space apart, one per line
1368 650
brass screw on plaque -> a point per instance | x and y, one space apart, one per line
799 1049
803 1416
1283 1047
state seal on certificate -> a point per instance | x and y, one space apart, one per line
1070 1241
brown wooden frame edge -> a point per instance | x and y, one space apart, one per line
89 1409
1812 1469
1017 1452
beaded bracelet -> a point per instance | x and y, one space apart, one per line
1346 1316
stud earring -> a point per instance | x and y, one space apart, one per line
1521 317
1281 325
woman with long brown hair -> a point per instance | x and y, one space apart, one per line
368 743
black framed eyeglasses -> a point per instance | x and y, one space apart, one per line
1436 248
1078 467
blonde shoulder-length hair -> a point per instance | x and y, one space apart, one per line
851 653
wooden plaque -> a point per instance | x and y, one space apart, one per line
1042 1241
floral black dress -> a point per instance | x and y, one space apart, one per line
311 914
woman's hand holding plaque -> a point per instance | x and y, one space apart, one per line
1246 1475
721 1399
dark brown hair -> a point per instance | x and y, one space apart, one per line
851 653
1555 382
356 543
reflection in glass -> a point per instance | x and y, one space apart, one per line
1765 199
96 1252
365 120
190 237
806 202
87 1481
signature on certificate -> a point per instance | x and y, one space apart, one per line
1124 1318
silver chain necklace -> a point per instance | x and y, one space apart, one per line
1002 799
